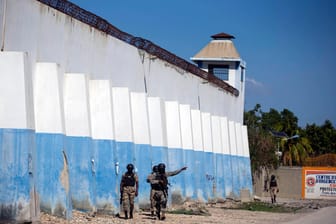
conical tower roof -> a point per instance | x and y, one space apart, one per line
222 36
221 47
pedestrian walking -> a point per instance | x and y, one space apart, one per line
273 186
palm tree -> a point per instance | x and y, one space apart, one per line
296 148
295 151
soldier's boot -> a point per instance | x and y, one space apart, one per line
274 198
152 211
126 215
131 213
163 215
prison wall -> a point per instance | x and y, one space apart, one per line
77 105
79 48
17 139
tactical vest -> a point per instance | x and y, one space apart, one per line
164 185
273 183
129 179
165 181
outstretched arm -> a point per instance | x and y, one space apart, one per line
173 173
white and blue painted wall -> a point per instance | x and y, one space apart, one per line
74 113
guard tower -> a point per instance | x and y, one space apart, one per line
221 58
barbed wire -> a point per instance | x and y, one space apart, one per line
101 24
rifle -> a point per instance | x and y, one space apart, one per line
164 184
120 200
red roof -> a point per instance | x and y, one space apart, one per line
222 35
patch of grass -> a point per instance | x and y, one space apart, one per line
202 212
267 207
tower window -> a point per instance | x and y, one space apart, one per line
199 64
221 72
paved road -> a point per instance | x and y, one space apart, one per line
325 215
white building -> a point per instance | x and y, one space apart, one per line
80 99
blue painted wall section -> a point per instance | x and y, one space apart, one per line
159 155
17 170
200 177
235 176
106 179
189 176
247 183
82 179
220 187
124 155
50 153
228 175
93 167
210 178
176 183
143 167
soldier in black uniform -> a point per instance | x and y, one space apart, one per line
129 186
150 179
160 188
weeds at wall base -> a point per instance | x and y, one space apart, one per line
266 207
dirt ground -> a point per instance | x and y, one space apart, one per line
222 212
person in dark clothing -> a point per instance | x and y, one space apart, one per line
150 179
129 186
159 185
273 186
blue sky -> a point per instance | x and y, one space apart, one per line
289 45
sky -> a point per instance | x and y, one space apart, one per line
289 46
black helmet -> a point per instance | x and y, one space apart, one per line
130 167
162 168
155 168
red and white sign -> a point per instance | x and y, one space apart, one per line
319 182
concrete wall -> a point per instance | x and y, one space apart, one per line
292 182
289 180
17 139
79 48
75 112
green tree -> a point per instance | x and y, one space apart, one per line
322 138
289 122
262 153
271 120
294 150
261 144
